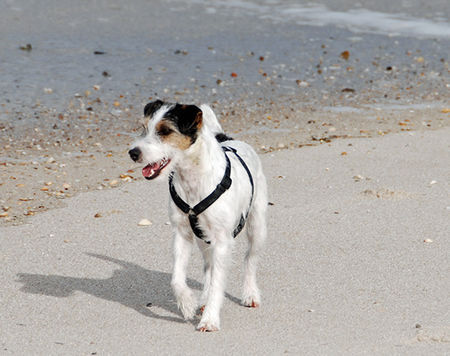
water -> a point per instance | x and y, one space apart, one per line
280 51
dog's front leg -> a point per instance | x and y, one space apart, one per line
211 315
207 266
185 297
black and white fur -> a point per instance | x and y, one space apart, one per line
187 140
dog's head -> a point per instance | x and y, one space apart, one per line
169 129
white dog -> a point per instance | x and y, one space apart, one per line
217 186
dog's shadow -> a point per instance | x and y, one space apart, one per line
131 285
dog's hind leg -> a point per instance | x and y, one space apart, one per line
210 320
256 233
185 297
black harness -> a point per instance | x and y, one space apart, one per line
221 188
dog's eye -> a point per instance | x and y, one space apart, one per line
164 131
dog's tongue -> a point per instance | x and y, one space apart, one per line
151 170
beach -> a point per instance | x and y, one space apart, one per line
348 107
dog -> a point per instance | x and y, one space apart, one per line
217 187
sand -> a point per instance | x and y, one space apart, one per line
356 262
347 105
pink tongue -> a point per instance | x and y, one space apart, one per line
151 169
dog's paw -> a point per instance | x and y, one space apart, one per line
251 300
187 304
251 304
207 326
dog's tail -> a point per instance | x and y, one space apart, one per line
210 120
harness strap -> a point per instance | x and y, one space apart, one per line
221 188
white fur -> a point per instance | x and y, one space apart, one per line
198 170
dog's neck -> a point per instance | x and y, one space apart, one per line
201 168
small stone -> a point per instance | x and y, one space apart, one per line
97 215
144 222
428 240
4 214
28 47
302 83
114 183
66 186
51 160
345 55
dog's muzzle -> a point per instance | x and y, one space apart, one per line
135 154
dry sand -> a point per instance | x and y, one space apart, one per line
356 262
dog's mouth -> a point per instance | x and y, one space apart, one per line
152 170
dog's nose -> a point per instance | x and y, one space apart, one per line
135 154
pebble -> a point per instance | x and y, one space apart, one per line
428 240
144 222
114 183
302 83
66 186
51 160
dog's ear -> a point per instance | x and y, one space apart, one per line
187 118
152 107
191 118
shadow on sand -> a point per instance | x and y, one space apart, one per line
131 285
